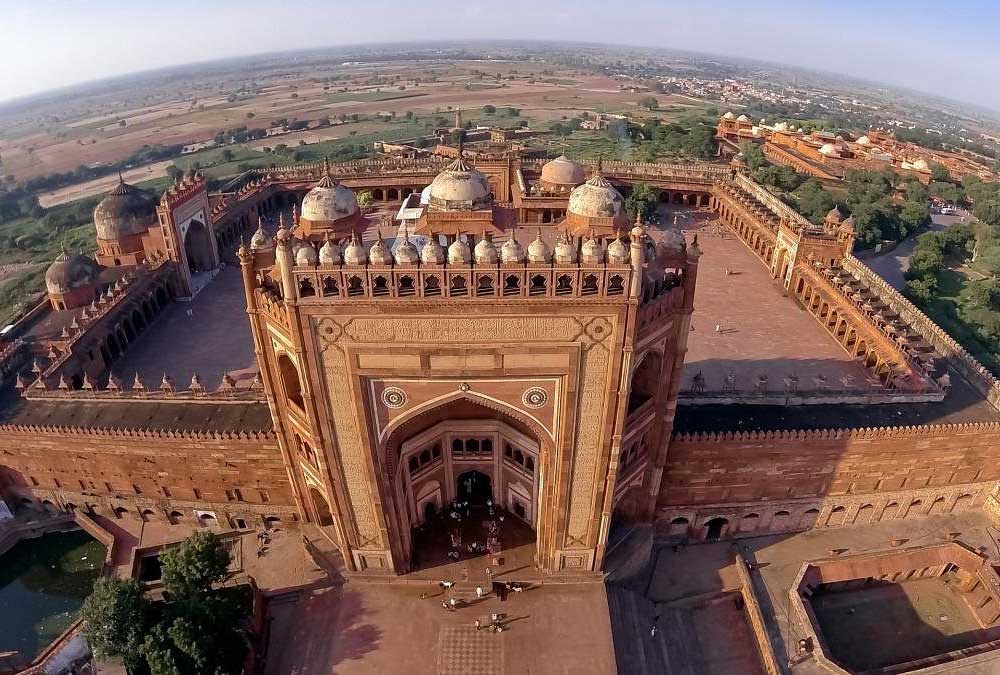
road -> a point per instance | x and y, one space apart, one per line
892 266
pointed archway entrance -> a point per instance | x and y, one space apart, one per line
467 486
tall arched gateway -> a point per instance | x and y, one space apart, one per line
416 392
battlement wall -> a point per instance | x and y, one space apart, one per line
738 467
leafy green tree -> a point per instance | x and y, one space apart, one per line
939 172
114 616
365 199
753 156
914 215
228 155
648 102
489 109
988 210
191 567
922 289
642 200
814 202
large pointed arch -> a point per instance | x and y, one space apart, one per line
537 427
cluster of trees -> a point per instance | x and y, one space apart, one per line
928 259
985 198
694 140
195 629
877 216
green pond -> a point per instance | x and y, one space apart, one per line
43 582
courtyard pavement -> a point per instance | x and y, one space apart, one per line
760 331
704 570
363 628
214 339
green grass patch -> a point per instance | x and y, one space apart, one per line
366 96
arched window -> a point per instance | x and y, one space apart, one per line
487 445
355 286
406 286
589 285
512 285
529 463
432 285
425 457
537 286
380 285
616 285
413 464
306 289
329 286
456 446
290 380
472 445
459 286
485 285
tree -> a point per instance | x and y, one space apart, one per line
813 201
753 155
642 200
939 172
457 136
228 155
191 567
914 215
251 115
489 109
365 199
114 616
648 102
174 172
988 210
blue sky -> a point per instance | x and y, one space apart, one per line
951 47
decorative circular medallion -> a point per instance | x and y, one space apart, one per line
535 397
393 397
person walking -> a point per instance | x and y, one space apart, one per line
477 625
479 592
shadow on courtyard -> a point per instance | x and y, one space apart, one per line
319 633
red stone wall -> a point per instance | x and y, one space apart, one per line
145 470
710 469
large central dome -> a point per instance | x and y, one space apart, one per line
597 198
562 171
328 202
460 188
127 210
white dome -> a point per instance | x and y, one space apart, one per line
379 253
330 253
459 188
425 196
781 126
305 255
260 238
921 165
742 118
597 198
485 252
354 252
592 252
538 250
563 171
864 140
329 201
618 252
512 251
729 116
406 252
828 149
432 253
459 253
565 251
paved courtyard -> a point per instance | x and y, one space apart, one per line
760 331
215 339
363 628
896 623
702 570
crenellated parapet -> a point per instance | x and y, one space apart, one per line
139 433
859 433
166 390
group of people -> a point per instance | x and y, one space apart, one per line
500 589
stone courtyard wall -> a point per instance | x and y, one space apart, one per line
794 480
159 473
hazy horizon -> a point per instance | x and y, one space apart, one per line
906 45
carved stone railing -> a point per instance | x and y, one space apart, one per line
964 363
778 207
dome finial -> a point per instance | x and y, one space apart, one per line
121 178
